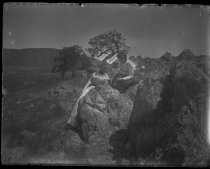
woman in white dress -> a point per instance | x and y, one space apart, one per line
97 79
101 78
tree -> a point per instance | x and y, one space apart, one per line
68 60
110 42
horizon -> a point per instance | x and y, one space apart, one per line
103 56
149 31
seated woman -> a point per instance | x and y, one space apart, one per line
97 79
122 81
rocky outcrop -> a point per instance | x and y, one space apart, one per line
154 121
167 57
103 111
186 54
143 123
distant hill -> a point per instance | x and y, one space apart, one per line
31 58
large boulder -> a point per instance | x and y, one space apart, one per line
141 124
160 113
103 111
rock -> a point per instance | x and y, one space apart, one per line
94 97
147 98
144 117
27 138
71 138
103 111
93 120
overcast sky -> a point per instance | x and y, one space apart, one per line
149 31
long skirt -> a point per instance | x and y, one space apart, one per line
71 119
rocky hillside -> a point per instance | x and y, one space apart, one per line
168 119
156 118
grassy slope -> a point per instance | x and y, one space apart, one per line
28 106
32 59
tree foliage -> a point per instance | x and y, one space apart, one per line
70 59
110 42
